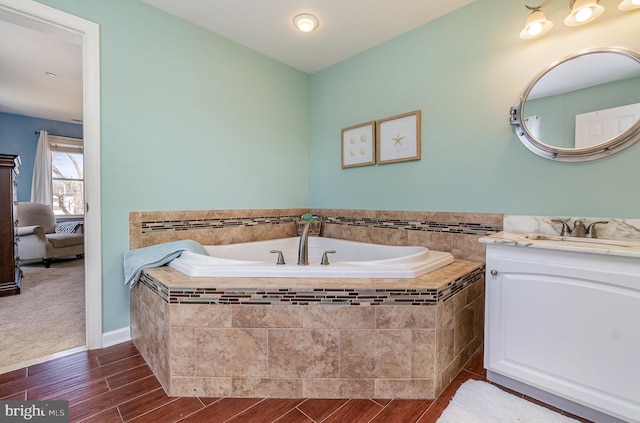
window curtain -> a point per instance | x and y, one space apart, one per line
41 191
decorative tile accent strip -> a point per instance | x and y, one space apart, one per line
410 225
414 225
320 296
189 225
459 284
155 285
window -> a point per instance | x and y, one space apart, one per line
67 174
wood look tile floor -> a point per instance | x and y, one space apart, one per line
115 385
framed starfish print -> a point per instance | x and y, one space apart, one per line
398 138
358 145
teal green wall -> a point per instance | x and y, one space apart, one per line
190 120
464 71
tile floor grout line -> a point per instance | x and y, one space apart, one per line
183 418
382 407
304 414
109 391
424 413
171 400
336 410
47 383
246 409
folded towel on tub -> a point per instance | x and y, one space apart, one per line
135 261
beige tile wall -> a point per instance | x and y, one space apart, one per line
209 235
151 331
308 351
459 239
459 333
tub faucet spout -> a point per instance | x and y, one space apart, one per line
303 245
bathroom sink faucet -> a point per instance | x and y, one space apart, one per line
579 229
303 243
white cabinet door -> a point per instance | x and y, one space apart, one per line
567 324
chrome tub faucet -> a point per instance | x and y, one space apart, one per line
303 243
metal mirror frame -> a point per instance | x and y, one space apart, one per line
604 149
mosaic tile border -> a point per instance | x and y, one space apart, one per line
417 225
155 286
452 288
464 228
198 224
319 296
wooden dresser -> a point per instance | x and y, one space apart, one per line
10 273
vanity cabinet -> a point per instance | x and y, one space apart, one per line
564 327
9 269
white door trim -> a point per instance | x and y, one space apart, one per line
47 19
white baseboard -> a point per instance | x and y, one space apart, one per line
117 336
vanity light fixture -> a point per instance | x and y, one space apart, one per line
629 5
305 22
582 12
536 25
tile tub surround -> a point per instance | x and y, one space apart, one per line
457 233
220 345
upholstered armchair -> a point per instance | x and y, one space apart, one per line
40 238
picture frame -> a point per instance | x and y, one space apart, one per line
399 138
358 145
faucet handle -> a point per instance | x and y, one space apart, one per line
566 229
591 229
280 259
325 258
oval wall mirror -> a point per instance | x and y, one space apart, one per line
582 107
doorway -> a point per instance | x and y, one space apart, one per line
51 21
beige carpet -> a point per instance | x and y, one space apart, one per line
47 317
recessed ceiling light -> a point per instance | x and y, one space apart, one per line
305 22
51 74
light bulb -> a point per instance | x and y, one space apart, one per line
626 5
305 25
535 26
534 29
584 14
305 22
583 11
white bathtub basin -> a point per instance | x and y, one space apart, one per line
351 260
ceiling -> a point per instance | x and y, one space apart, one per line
25 88
346 28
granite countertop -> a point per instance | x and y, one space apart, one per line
616 247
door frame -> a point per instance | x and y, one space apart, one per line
55 22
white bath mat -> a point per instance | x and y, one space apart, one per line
481 402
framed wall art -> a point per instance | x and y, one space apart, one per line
398 138
358 145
